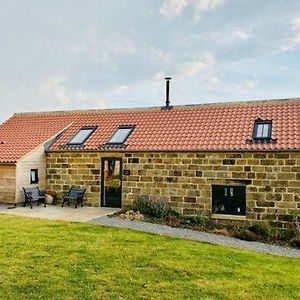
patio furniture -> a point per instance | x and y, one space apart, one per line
34 194
74 194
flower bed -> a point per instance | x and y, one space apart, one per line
154 211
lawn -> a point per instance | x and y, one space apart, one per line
42 259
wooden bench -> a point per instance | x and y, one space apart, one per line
34 194
74 194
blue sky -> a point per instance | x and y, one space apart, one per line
79 54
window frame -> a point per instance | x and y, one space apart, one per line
229 194
92 130
36 171
131 127
255 129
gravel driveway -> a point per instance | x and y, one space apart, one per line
196 236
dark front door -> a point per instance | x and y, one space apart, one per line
111 183
229 200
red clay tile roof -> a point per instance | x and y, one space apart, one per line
22 133
207 127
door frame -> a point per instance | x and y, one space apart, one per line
102 178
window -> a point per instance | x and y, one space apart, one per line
34 176
82 135
262 130
229 200
120 135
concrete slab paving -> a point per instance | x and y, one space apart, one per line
55 212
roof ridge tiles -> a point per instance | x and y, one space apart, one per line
158 108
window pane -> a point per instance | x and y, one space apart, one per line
33 176
259 132
120 136
232 204
81 136
265 130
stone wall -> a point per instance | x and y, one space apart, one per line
184 179
82 169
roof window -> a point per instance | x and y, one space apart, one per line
262 130
120 135
82 135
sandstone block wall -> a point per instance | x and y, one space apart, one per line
184 179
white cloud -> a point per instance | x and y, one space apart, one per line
214 80
77 49
160 75
247 84
55 88
250 84
173 8
223 37
161 55
195 67
295 24
103 47
240 34
292 42
120 90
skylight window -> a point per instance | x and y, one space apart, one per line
120 135
262 130
82 135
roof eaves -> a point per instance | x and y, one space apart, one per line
174 150
7 162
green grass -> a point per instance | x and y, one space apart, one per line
42 259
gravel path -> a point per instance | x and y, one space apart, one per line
196 236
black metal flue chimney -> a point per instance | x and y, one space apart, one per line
167 94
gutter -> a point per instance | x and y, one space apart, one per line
13 163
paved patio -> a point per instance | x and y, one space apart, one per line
53 212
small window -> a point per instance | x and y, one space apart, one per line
229 200
82 135
120 135
34 176
262 130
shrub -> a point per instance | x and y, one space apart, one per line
213 225
246 235
284 234
159 209
198 220
296 241
222 231
296 231
172 221
142 204
153 208
262 229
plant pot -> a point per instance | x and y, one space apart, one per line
49 199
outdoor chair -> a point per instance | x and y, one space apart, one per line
33 195
74 194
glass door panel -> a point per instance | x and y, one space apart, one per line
111 189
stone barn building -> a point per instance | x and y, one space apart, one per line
236 161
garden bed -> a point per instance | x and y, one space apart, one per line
157 212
